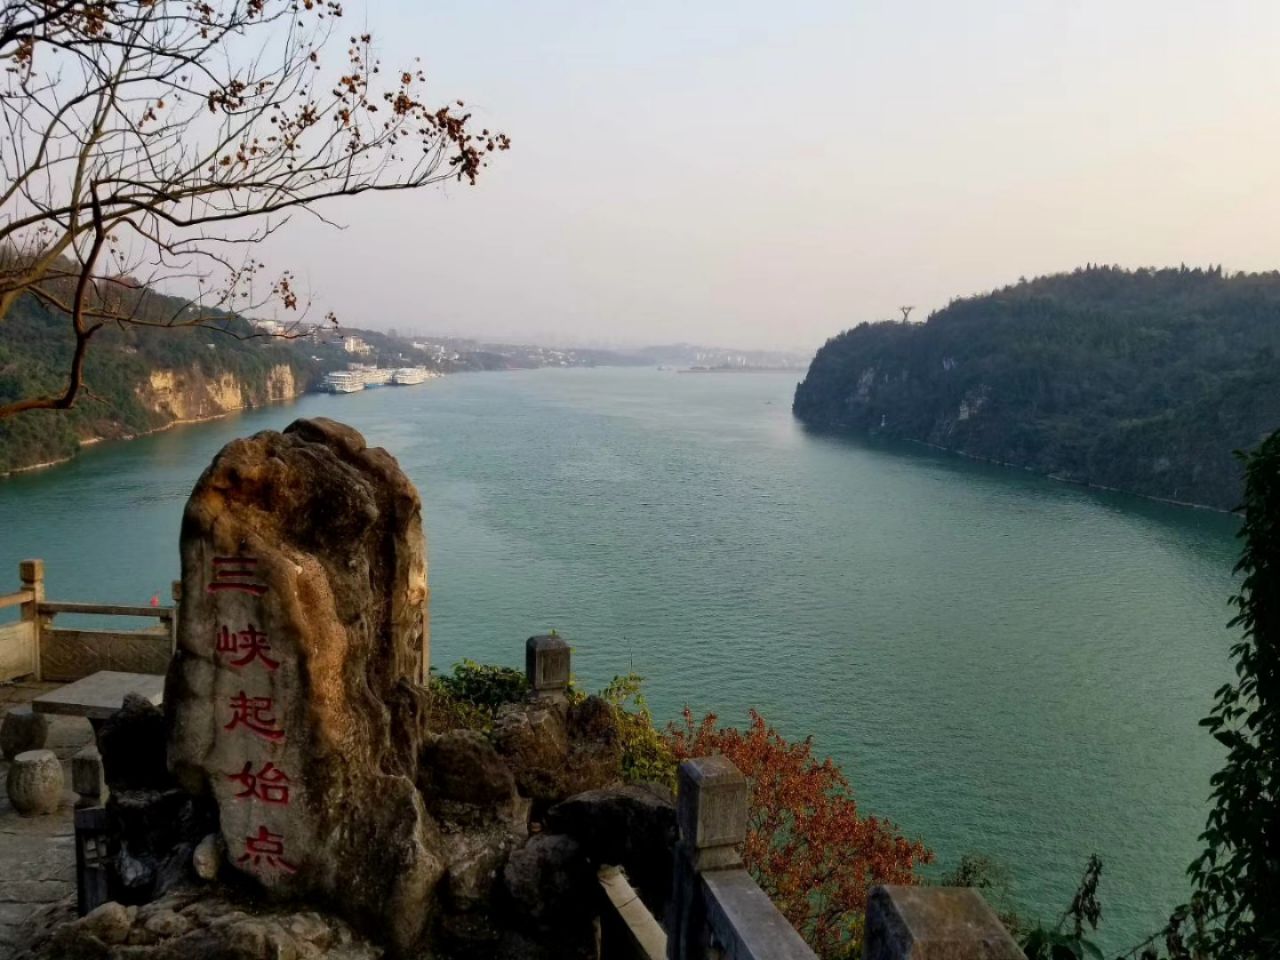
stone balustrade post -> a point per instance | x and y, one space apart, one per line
31 573
546 664
711 814
175 591
934 923
92 858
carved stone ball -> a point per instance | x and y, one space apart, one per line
35 782
22 729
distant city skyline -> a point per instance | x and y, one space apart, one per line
764 176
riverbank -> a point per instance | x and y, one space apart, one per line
123 438
1061 479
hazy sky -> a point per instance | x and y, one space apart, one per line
768 174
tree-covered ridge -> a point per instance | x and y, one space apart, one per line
1142 380
35 350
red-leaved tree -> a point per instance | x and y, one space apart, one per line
806 845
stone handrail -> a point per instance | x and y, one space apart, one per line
14 599
35 646
717 911
628 931
51 608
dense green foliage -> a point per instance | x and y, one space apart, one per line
1141 380
469 696
35 354
647 756
1238 875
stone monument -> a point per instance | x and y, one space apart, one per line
295 694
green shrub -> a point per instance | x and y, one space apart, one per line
471 694
646 756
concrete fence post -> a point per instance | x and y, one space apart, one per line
175 591
923 923
711 813
31 573
546 664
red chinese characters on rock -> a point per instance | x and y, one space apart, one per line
256 714
270 784
259 780
266 849
236 573
250 643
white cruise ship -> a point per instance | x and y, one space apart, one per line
344 381
409 375
376 376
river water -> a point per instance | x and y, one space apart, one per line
1002 664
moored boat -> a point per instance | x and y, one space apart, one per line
344 381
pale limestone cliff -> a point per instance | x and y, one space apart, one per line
185 394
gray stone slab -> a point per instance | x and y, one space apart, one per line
934 923
745 922
100 695
644 935
711 804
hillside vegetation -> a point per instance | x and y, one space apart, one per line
1143 380
138 379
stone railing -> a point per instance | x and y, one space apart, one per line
35 646
717 909
718 912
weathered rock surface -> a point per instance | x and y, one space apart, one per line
184 926
110 922
942 922
207 857
552 897
154 835
557 750
548 878
132 744
474 860
632 826
294 697
22 729
463 766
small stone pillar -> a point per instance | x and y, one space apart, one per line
31 573
22 729
711 813
921 923
175 591
34 783
546 664
92 858
87 777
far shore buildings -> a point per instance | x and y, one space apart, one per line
356 345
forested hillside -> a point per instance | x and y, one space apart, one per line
1142 380
137 379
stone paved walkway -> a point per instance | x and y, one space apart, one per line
37 854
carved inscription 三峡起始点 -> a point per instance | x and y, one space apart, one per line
253 717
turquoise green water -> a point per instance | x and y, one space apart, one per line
1001 663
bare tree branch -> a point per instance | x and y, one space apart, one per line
149 138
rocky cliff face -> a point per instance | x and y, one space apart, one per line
184 395
1143 382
